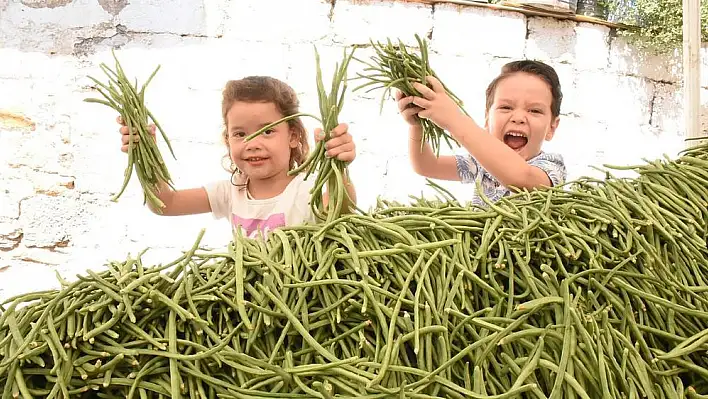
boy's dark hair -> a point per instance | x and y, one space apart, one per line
537 68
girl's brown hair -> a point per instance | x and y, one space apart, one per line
265 89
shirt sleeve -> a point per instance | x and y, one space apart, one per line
219 194
553 165
467 168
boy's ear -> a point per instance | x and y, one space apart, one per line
552 131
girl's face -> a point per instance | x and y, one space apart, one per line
520 115
266 156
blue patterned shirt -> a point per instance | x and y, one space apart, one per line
470 171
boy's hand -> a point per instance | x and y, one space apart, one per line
407 110
435 104
125 134
340 145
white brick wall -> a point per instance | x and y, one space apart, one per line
56 180
356 22
483 32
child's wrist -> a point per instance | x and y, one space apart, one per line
415 133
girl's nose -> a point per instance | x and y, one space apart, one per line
253 144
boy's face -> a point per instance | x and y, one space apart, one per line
520 115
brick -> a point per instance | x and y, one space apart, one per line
592 49
467 78
471 31
628 60
42 29
186 17
668 116
358 22
42 149
46 221
581 142
277 21
10 234
302 68
604 96
551 40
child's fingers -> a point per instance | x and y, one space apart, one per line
124 130
120 120
344 152
427 92
125 138
425 114
404 102
436 84
422 102
408 112
338 141
339 130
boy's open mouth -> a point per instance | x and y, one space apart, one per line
515 140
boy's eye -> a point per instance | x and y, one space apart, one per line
504 107
536 111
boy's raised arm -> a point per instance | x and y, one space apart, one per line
425 163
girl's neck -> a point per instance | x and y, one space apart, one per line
267 188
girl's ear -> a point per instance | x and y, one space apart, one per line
294 138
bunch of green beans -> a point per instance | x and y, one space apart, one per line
331 171
124 97
396 67
591 290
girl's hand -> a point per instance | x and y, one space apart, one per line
125 134
340 145
435 104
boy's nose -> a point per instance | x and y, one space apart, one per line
518 117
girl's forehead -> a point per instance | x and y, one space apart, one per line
249 112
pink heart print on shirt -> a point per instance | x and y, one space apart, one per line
265 225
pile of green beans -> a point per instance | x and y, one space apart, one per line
592 290
397 67
121 95
331 172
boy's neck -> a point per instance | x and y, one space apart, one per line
268 188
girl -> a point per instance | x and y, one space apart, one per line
522 110
260 195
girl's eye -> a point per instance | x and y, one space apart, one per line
238 135
269 131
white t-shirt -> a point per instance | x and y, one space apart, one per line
253 216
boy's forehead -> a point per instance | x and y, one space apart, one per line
523 86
